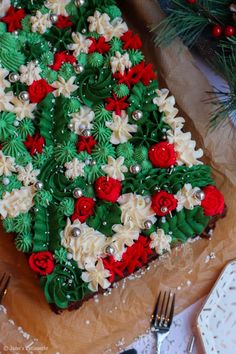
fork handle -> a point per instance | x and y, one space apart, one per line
160 339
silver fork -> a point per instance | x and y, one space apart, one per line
162 317
4 282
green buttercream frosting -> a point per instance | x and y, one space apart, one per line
112 11
116 45
25 128
14 147
49 74
66 71
3 27
95 60
8 224
102 114
126 150
20 224
64 285
121 90
93 172
141 154
101 133
7 128
26 23
135 56
66 206
102 151
43 198
47 58
72 105
11 59
24 242
61 255
65 152
7 41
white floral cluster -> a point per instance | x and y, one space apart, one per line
184 145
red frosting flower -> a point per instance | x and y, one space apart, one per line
38 90
84 207
86 144
63 22
162 155
42 262
62 57
163 203
131 41
34 144
100 46
213 203
107 188
13 19
116 104
135 257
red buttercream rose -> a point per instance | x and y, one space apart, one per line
163 203
107 188
63 22
162 155
213 203
84 207
42 262
38 90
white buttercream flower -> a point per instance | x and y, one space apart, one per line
6 100
4 6
58 7
41 22
99 23
121 128
82 120
17 202
86 248
124 236
74 168
96 275
185 148
115 168
64 87
120 62
27 175
30 73
7 165
23 109
136 208
160 241
3 82
187 197
81 44
117 29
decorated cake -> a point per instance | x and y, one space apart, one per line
97 176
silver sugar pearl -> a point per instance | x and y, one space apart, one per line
75 232
24 96
110 250
86 132
77 192
39 185
16 123
53 18
164 209
70 126
5 181
87 162
135 169
148 224
79 3
78 68
14 77
137 115
93 163
200 195
15 33
69 256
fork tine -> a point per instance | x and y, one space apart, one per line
167 306
3 285
171 311
155 312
